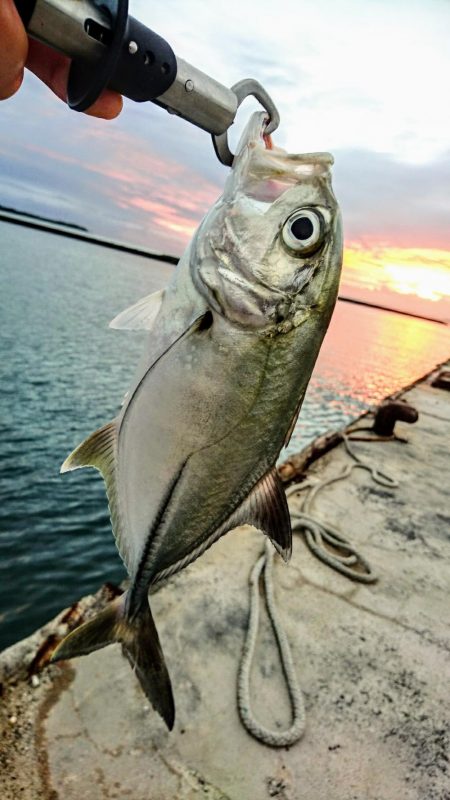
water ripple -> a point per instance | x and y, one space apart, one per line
63 374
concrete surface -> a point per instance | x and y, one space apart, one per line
373 661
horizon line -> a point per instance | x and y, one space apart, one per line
73 231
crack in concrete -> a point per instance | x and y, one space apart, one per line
193 780
434 416
379 615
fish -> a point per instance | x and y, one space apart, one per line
232 343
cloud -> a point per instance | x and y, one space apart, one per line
392 203
113 179
359 79
346 74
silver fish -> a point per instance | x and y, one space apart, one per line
234 339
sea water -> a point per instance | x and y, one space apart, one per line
63 374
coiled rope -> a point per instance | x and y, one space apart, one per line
343 558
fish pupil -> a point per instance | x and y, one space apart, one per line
302 228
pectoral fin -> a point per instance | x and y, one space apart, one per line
141 315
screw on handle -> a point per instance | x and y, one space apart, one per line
146 66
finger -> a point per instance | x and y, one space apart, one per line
53 69
108 106
13 49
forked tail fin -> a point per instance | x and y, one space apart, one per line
140 644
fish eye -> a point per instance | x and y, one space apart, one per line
304 231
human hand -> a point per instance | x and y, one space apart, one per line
18 51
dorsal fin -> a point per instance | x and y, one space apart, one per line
141 315
99 450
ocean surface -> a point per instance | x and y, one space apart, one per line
63 374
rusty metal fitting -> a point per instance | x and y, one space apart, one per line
390 412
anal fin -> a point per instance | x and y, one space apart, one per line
266 508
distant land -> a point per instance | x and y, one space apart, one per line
75 231
72 231
357 302
39 217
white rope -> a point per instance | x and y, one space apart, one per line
343 558
269 737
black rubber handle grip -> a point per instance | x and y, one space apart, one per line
135 62
25 9
146 66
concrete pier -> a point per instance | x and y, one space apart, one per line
373 660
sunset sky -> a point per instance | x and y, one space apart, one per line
367 81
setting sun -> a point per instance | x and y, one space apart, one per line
421 276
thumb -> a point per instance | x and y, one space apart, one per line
13 49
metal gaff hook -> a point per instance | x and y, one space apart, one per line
242 89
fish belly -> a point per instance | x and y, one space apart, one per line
189 400
218 477
220 421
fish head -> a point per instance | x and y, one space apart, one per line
269 252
